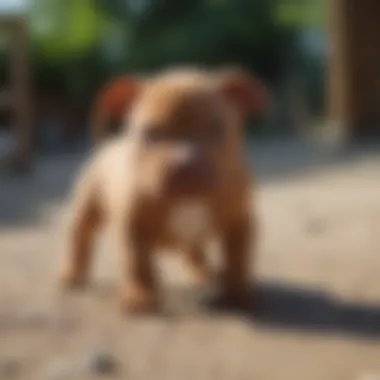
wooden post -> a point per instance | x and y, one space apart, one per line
21 95
17 99
337 69
365 58
353 68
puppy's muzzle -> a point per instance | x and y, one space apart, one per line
190 173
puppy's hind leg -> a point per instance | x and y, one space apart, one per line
85 222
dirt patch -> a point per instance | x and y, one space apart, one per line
318 288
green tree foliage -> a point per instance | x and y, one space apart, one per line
66 28
64 35
71 39
303 13
208 32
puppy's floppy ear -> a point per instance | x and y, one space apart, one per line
117 96
113 102
243 90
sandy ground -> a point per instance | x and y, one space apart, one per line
317 276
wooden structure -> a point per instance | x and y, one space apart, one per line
353 76
354 67
17 98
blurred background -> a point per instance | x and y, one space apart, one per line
75 46
315 156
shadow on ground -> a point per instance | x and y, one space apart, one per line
282 306
275 306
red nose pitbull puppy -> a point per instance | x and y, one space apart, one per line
175 178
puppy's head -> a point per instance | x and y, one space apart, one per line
186 126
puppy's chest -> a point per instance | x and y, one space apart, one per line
189 221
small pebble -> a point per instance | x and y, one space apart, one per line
101 362
315 226
9 368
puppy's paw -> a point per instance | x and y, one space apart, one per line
139 300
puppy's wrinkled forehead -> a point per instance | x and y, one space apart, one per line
177 99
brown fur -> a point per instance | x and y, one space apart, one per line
110 106
184 144
114 99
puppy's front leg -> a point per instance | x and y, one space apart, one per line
140 290
236 243
86 220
